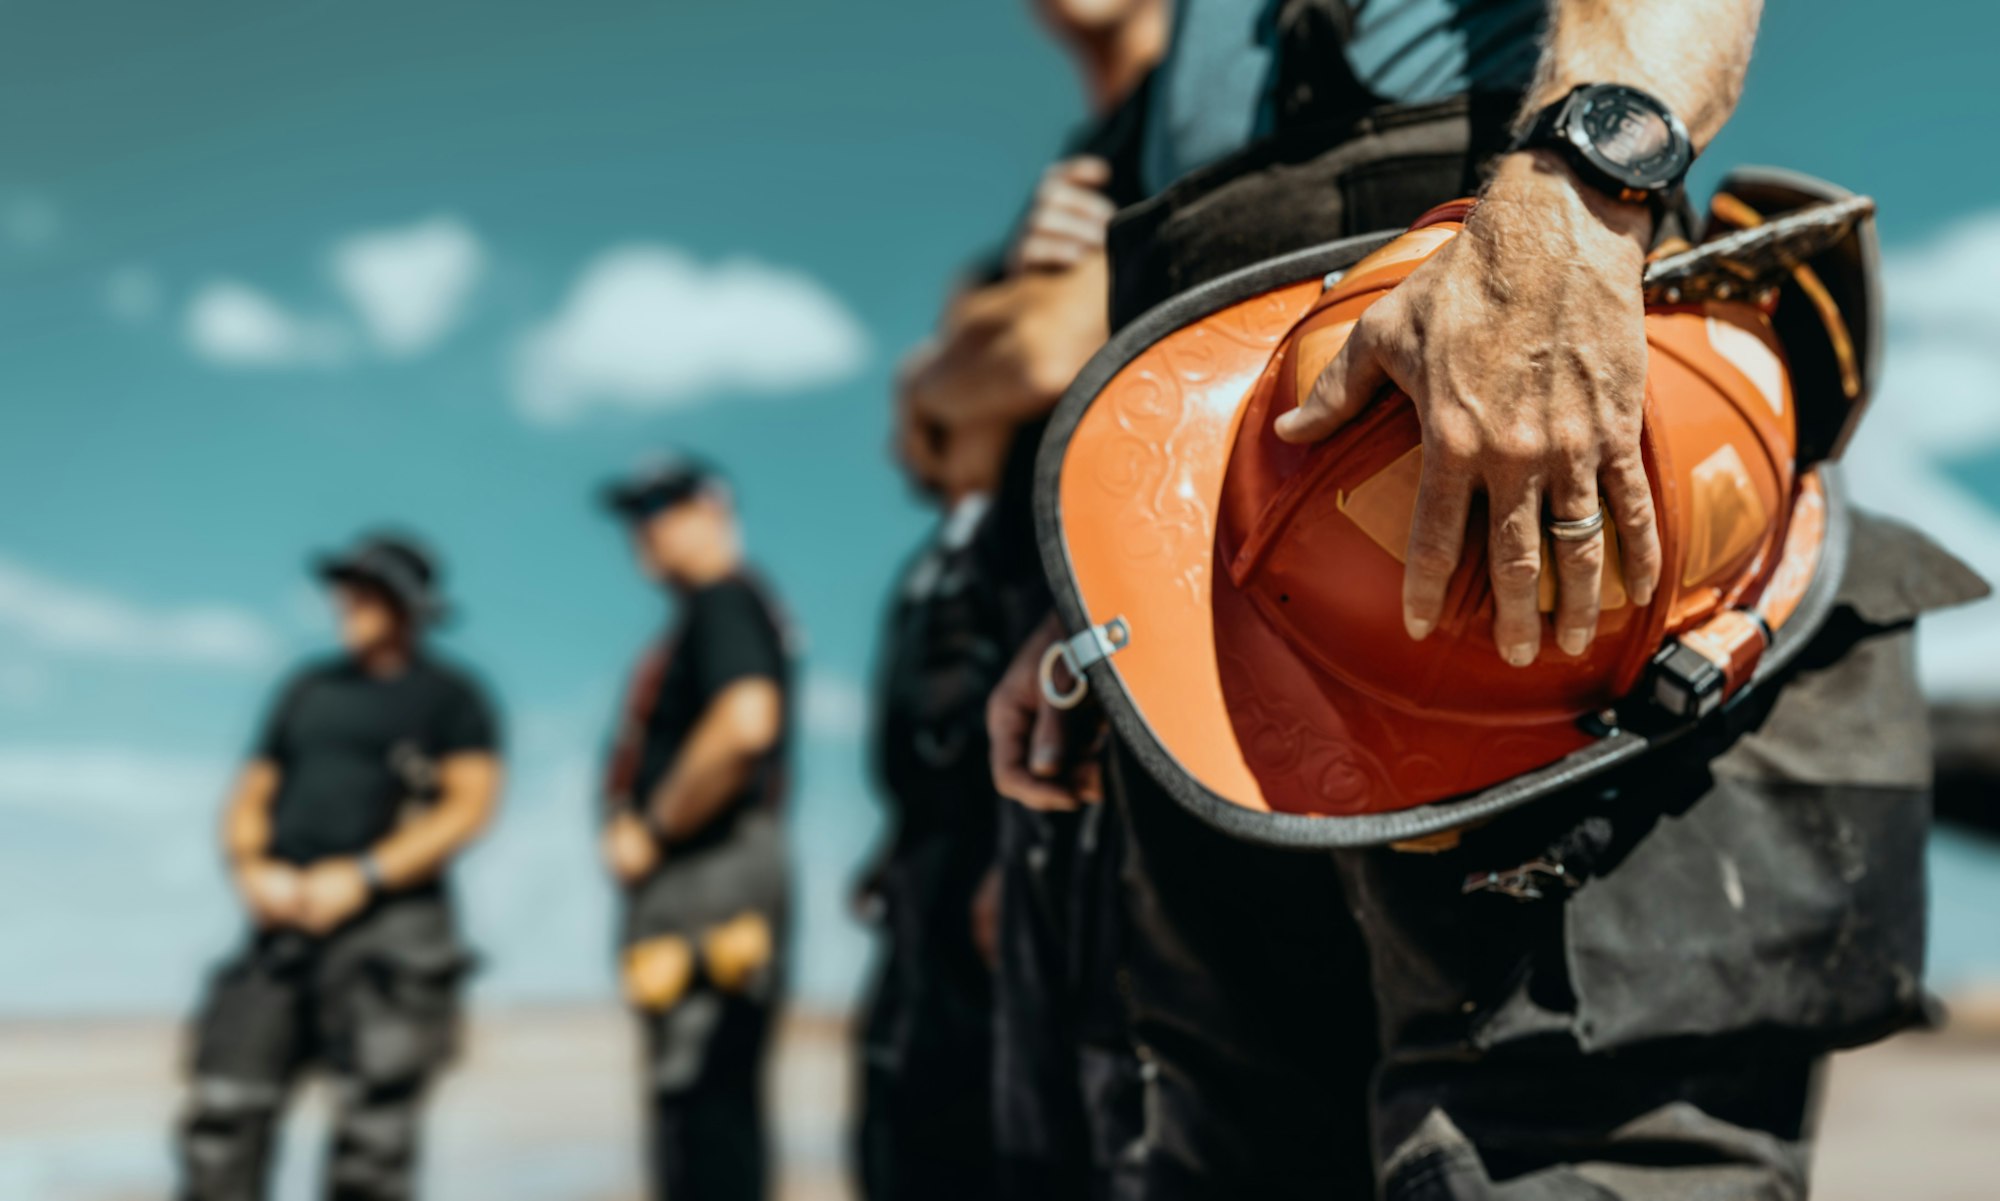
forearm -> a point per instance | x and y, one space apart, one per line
421 847
715 763
1692 54
246 816
1007 352
709 773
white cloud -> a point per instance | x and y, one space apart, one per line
409 285
59 615
97 781
232 324
1939 402
833 707
647 328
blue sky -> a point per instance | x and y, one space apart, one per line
270 273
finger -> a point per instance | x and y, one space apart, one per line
1087 781
1579 565
1017 784
1083 170
1630 499
1087 208
1047 746
1043 252
1349 382
1514 555
1082 228
1007 726
1437 538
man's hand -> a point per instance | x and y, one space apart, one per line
331 892
630 850
1522 345
1068 219
1043 757
271 891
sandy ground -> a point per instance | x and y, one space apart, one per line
544 1109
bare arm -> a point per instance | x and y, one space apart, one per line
739 726
270 889
334 890
1522 341
246 815
1690 53
1006 351
421 847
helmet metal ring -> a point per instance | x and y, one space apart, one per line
1056 697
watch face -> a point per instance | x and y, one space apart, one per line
1631 136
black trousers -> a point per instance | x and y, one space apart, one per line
1742 904
1066 1076
926 1041
708 1140
375 1004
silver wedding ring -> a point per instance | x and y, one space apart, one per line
1581 530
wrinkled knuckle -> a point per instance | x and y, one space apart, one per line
1519 447
1517 570
1432 558
1586 554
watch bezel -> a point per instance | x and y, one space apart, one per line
1575 131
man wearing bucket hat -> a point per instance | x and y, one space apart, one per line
375 769
693 834
1612 899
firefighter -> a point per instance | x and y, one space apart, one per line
973 404
694 838
375 769
1560 983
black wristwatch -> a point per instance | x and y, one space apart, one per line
1622 141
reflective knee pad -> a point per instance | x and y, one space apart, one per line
738 953
225 1138
657 972
374 1141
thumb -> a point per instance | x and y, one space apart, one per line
1045 742
1341 390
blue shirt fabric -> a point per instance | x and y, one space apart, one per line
1213 93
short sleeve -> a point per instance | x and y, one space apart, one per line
735 639
468 723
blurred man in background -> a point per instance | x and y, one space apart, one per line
375 769
926 1123
693 836
1562 1045
974 404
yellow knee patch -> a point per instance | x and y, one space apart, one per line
736 950
657 972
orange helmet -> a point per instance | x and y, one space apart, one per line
1237 600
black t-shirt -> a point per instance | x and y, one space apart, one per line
352 749
728 631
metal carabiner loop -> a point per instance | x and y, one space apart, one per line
1058 652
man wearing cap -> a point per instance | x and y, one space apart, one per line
1615 988
693 835
374 770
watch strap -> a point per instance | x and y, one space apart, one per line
371 871
1548 129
